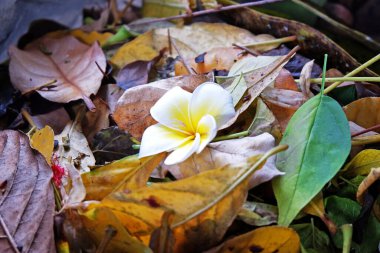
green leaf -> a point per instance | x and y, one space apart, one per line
319 142
313 239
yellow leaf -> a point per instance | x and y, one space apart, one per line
316 206
264 240
362 163
139 49
90 38
128 173
165 8
204 205
43 141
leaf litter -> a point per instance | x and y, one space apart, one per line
292 170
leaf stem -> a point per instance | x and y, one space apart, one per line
231 136
324 74
250 51
347 237
352 73
376 127
271 42
343 79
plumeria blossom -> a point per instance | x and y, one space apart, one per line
187 122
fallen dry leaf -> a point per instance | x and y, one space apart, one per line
229 152
43 141
27 200
364 112
132 112
74 66
128 173
110 93
56 119
90 38
75 188
258 214
362 163
134 74
304 83
266 239
371 178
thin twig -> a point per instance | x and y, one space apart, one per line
210 11
190 70
271 42
344 79
376 127
9 236
250 51
170 43
28 117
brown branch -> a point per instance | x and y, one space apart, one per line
210 11
8 235
376 127
246 49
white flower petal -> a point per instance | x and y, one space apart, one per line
207 129
159 138
172 110
183 152
210 98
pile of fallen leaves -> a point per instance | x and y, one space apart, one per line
295 169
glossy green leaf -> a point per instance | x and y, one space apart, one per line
312 238
319 142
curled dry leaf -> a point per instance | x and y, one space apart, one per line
372 177
204 205
362 163
110 93
266 239
132 112
43 141
364 111
27 200
222 153
56 119
74 66
258 214
304 83
76 189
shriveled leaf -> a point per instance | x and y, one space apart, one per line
258 214
101 224
76 190
265 239
95 121
74 148
364 111
204 205
139 49
43 141
112 144
251 63
362 163
73 65
134 74
304 83
222 153
132 112
313 238
27 199
90 38
56 119
126 174
110 93
372 177
318 129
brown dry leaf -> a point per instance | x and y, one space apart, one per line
74 66
257 80
74 148
91 37
372 177
93 122
27 199
304 83
126 174
258 214
201 37
43 141
56 119
204 205
264 240
222 153
132 112
100 223
139 49
75 188
110 93
364 112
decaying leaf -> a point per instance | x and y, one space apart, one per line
134 74
258 214
266 239
27 200
132 112
126 174
74 148
364 111
372 177
304 83
90 38
43 141
229 152
110 93
56 119
73 65
362 163
76 190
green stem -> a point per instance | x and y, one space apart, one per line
271 42
352 73
344 79
231 136
347 237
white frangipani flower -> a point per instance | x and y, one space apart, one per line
186 122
